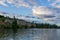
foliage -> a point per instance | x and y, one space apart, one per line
2 18
15 26
1 26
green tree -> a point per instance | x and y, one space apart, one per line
14 25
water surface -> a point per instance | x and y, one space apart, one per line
31 34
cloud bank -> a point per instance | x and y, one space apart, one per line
28 3
47 13
18 3
2 2
55 3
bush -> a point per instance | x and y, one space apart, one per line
1 26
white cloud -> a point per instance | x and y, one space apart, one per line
47 13
4 14
41 10
10 1
22 3
18 3
2 2
33 2
55 3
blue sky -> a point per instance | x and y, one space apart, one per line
45 10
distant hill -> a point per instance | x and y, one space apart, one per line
7 23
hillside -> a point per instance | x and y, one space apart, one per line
6 22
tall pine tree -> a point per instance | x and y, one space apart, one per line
14 25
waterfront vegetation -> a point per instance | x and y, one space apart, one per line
11 23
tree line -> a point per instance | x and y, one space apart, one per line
14 25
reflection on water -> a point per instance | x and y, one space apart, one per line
30 34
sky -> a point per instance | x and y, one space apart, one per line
37 10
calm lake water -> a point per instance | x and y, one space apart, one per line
31 34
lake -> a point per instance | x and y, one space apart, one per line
31 34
